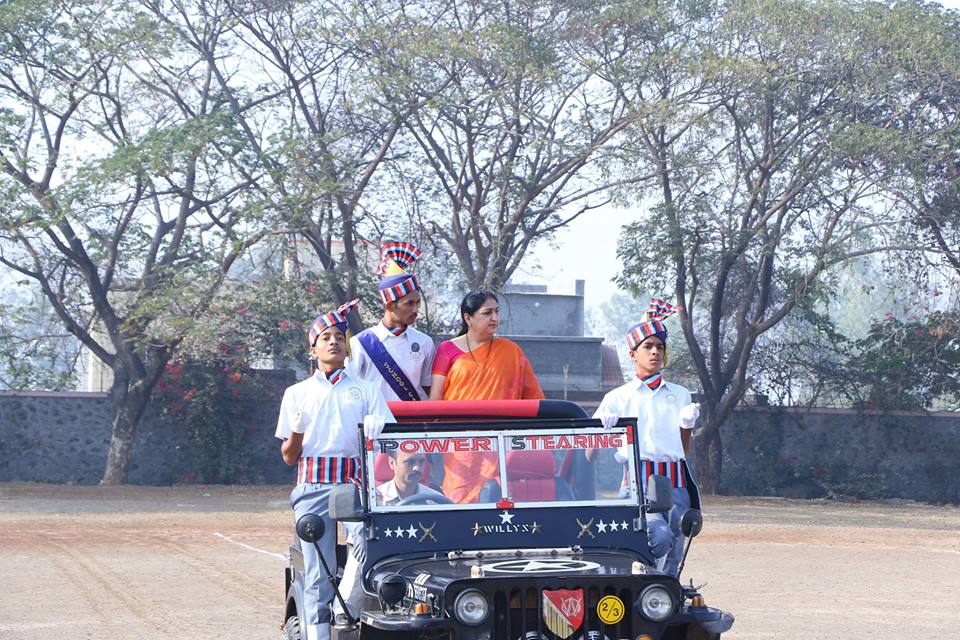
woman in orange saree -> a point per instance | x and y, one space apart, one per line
476 366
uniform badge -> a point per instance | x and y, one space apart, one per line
355 393
563 611
672 399
415 351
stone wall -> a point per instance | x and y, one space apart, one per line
63 437
808 453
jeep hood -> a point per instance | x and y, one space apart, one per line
435 574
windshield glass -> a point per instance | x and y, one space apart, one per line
492 469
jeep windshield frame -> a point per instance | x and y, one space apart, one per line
502 441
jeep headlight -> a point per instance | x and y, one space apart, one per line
656 603
471 607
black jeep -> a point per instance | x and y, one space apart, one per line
553 547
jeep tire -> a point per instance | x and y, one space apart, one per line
291 628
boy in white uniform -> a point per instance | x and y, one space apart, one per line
665 418
318 424
392 353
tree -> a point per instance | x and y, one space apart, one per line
313 140
117 199
930 154
509 120
770 146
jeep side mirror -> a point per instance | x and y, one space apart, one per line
310 527
691 523
659 494
344 503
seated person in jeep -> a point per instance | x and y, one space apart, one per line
408 471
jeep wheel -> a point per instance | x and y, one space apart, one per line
291 628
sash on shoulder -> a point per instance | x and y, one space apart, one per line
388 367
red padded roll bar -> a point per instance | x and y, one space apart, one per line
458 410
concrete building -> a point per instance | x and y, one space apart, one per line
549 326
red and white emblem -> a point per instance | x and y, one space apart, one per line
563 611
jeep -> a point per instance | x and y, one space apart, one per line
553 548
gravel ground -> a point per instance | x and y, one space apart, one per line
152 563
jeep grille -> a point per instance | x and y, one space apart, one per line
519 610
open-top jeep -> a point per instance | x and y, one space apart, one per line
555 546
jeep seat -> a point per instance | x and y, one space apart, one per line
531 477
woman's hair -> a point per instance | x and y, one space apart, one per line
471 303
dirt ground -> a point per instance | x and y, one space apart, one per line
196 562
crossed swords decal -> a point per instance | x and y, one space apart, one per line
585 528
427 532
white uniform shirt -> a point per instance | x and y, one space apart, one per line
387 493
657 413
413 350
332 413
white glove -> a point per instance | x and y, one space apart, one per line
609 420
373 426
689 415
299 424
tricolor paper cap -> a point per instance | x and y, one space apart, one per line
336 318
394 258
652 324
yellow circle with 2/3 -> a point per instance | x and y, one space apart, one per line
610 609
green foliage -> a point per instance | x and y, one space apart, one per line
909 364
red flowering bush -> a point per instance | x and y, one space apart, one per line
211 399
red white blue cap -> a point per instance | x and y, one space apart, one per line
652 324
394 258
336 318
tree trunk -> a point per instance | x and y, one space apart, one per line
708 458
129 402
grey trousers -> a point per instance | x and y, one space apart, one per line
681 502
317 591
663 532
351 585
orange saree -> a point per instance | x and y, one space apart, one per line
498 370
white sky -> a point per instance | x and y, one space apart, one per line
584 250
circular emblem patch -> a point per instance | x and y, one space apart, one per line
355 393
610 609
415 347
672 399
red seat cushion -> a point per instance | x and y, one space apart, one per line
531 476
526 465
381 469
